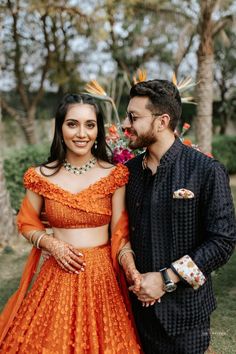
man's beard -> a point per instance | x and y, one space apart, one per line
142 141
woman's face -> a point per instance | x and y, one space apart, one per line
80 129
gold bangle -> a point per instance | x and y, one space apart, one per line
123 251
39 239
32 233
36 233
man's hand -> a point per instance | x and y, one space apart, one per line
151 287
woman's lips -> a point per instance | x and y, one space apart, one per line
80 143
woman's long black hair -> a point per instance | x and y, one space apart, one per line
58 148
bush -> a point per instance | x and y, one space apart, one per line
15 166
224 150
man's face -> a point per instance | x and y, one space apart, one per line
139 123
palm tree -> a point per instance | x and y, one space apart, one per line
201 21
208 28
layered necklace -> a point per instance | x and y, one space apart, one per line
82 169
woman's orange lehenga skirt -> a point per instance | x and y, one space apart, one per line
67 313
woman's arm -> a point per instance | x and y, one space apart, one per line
125 254
65 254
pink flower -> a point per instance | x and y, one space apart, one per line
121 155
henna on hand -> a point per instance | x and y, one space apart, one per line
68 257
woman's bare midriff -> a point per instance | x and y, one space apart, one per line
83 238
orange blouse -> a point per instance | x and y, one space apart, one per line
89 208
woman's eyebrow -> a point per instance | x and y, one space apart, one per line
76 120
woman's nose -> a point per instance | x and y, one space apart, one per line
81 132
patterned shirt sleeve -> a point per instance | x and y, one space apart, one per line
188 271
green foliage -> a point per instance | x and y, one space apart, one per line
15 166
224 150
8 250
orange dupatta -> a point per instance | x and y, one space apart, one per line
27 220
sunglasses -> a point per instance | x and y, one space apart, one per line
132 118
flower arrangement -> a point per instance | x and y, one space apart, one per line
118 142
116 138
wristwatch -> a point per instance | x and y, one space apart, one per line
169 285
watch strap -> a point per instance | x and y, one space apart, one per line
165 276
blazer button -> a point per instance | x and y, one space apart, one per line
132 228
137 204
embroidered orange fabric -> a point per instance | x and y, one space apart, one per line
67 313
89 208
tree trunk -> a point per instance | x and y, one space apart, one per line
30 133
204 96
204 89
29 128
26 122
224 123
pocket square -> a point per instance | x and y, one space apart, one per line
183 193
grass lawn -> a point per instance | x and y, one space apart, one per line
223 322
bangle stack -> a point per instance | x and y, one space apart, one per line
123 251
36 236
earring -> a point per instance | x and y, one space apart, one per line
95 145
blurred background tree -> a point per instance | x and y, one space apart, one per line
37 45
55 46
225 73
51 47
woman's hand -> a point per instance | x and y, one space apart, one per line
68 257
46 255
134 278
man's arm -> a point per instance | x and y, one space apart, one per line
219 238
219 222
218 218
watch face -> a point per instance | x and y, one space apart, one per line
169 287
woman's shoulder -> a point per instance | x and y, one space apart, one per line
35 177
119 175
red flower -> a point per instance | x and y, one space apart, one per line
112 129
186 126
113 133
127 133
209 154
187 142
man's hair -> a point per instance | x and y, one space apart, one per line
164 97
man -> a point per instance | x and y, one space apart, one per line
182 224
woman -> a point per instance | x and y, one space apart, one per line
75 304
